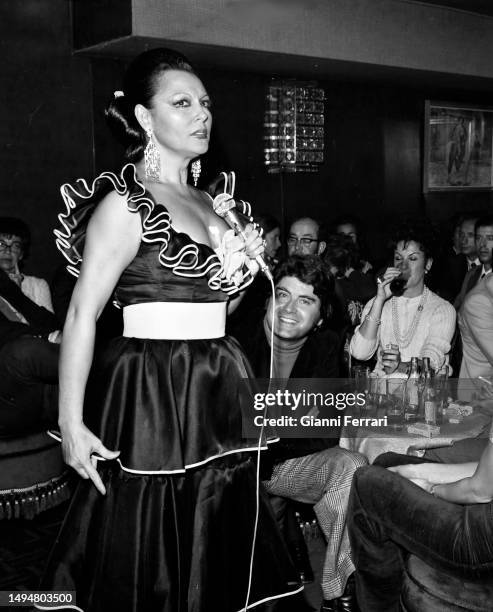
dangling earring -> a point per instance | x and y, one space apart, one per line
152 159
196 168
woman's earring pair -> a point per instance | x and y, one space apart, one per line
152 161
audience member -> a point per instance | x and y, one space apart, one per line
28 360
305 237
450 268
350 226
271 233
441 513
418 323
468 241
476 328
29 333
355 286
456 239
484 244
15 242
314 471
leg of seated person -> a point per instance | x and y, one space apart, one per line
391 459
390 516
29 358
462 451
323 479
28 372
278 505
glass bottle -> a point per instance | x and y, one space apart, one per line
429 400
412 395
442 392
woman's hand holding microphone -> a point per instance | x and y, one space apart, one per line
236 250
254 246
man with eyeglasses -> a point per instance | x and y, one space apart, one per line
304 237
28 342
15 240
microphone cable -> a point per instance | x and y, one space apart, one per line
229 182
259 448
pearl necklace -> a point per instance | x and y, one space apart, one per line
405 340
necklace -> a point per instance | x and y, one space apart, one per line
405 339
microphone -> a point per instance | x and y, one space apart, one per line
225 207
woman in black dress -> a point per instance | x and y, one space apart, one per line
165 516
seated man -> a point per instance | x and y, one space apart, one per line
313 471
355 286
350 226
28 361
15 242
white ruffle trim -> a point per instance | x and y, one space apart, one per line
189 262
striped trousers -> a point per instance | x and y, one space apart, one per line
324 480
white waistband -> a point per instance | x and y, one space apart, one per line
175 320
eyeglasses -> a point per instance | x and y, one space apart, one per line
15 247
292 241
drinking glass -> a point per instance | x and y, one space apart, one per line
396 392
360 375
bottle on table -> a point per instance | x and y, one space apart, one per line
413 392
429 399
442 392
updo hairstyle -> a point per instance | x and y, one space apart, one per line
139 87
420 231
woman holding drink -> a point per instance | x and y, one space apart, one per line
405 319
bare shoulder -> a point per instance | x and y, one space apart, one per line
114 232
112 216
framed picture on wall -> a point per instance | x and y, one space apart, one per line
458 149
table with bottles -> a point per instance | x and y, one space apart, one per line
418 410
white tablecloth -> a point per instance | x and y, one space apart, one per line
373 441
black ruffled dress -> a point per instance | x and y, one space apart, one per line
174 532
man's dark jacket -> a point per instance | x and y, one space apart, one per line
447 275
318 358
40 320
